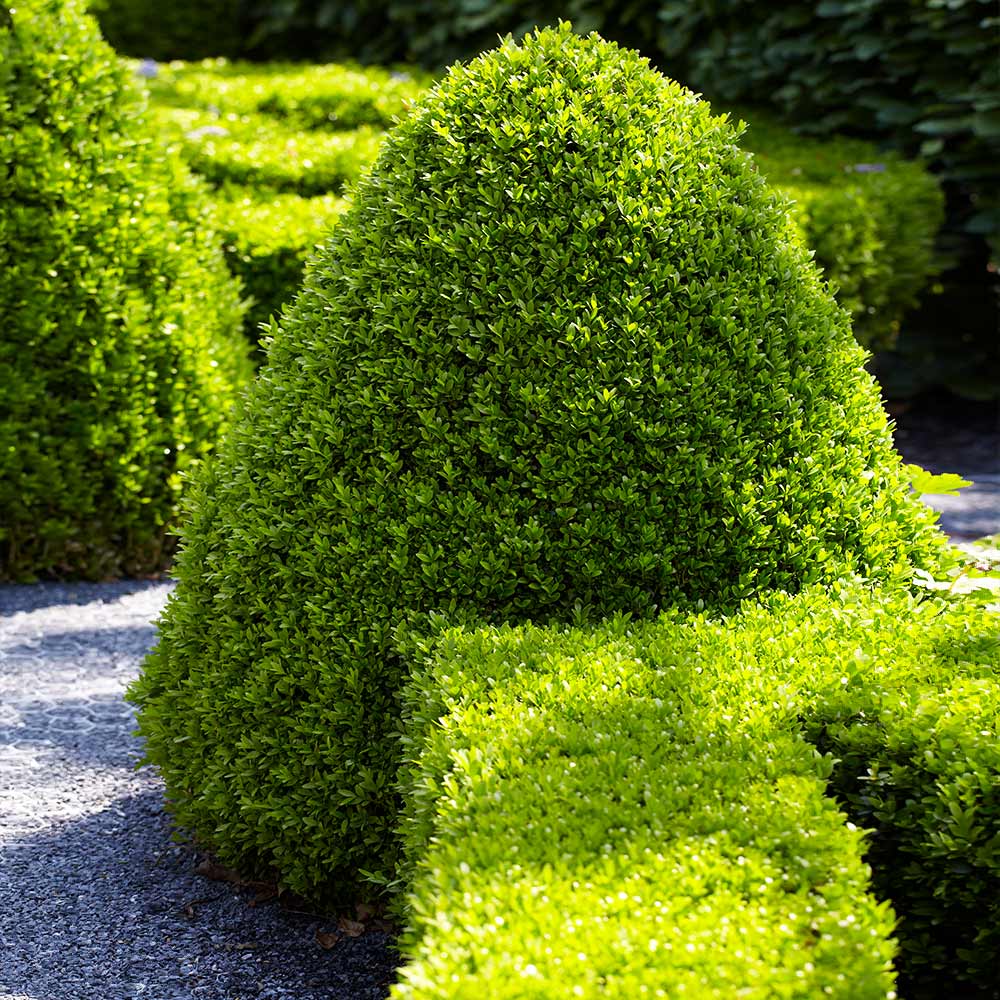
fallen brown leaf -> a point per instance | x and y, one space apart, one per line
209 869
264 895
352 928
326 940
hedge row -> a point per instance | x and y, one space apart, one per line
602 812
256 151
869 216
268 240
924 75
121 353
338 96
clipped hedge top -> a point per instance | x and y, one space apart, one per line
635 803
336 95
563 353
256 150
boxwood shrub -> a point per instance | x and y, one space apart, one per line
268 239
564 354
121 353
870 217
598 812
258 151
337 96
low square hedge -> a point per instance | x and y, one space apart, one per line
608 811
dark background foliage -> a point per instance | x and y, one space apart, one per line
921 76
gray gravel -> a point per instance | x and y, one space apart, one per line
974 512
95 899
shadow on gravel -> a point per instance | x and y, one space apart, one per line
80 645
82 731
107 906
35 596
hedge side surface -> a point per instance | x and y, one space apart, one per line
121 354
563 351
613 809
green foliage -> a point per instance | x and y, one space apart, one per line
333 96
611 809
121 352
257 151
924 75
869 216
180 29
945 484
563 354
267 241
919 764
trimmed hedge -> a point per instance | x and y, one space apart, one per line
922 75
600 812
257 151
562 354
267 241
869 216
121 353
337 96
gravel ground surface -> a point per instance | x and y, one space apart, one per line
95 899
945 434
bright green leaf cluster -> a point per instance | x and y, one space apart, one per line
333 96
563 355
614 809
121 353
258 151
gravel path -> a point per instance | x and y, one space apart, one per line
95 899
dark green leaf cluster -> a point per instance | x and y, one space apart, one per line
920 766
598 812
121 352
563 355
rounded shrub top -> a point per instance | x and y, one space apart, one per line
562 357
121 350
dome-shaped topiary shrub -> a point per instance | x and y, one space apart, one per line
120 352
561 357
